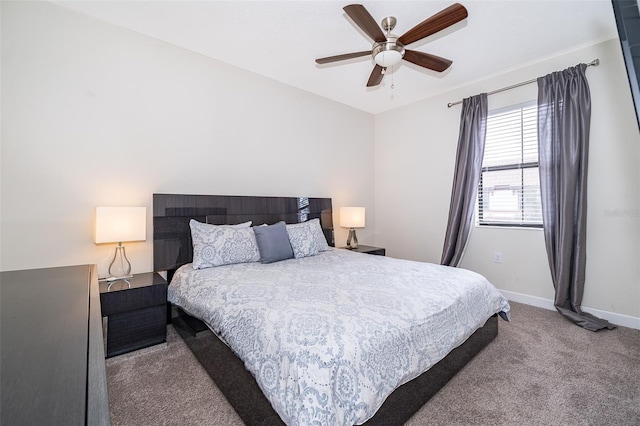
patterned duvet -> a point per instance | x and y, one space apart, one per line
329 337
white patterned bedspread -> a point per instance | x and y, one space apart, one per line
329 337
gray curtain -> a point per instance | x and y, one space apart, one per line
564 116
473 129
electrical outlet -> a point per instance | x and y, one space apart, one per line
497 257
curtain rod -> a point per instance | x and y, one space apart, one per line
593 63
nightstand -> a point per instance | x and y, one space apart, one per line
136 316
379 251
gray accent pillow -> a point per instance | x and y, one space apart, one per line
273 242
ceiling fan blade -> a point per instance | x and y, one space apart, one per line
376 76
365 21
441 20
336 58
427 60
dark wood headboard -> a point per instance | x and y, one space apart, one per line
171 214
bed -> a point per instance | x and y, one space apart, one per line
332 337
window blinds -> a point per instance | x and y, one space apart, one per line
509 188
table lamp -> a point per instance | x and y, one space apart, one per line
352 217
117 225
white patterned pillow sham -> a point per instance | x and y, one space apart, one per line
303 239
215 245
307 238
321 240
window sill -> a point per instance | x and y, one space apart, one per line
524 228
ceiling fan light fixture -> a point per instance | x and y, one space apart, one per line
388 53
388 58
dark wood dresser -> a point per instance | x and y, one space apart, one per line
52 350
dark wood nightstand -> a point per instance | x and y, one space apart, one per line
136 317
379 251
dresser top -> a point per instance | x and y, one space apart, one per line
44 319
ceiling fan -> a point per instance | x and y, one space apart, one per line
389 49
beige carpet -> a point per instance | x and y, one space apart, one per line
165 385
540 370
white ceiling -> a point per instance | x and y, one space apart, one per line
281 39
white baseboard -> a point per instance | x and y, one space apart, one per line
612 317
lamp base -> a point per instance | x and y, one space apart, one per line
114 280
120 270
352 240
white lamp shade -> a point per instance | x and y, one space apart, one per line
352 217
119 224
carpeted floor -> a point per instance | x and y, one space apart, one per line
540 370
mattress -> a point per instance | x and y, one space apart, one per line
329 337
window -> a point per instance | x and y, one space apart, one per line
509 189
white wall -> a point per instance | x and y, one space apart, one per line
96 115
414 159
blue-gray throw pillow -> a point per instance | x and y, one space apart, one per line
273 242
